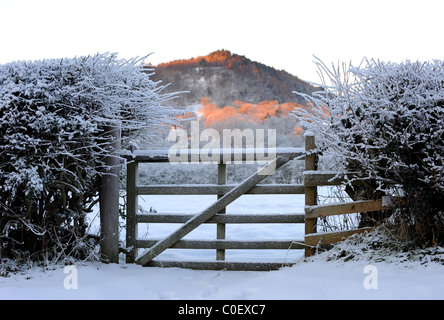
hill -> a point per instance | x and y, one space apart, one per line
224 77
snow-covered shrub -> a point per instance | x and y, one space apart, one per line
52 143
385 122
380 245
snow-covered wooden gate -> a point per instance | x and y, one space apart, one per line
215 213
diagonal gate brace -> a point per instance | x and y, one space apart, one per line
209 212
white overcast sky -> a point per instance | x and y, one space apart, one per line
284 34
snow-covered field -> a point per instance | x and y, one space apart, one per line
316 279
307 280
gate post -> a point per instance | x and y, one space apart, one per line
109 199
132 177
311 163
221 180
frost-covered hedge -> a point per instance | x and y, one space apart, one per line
385 121
52 143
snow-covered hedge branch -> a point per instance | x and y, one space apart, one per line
386 122
52 140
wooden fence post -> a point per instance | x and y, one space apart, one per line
132 177
109 200
311 163
221 180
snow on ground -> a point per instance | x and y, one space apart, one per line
316 279
306 280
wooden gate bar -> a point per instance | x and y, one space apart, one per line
223 244
223 218
157 156
200 218
315 239
344 208
314 178
210 189
219 265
